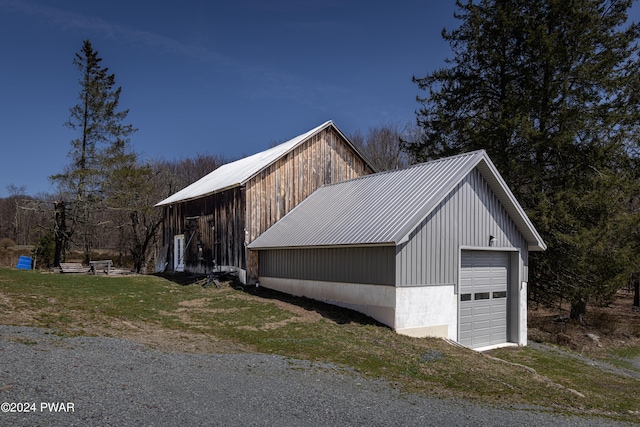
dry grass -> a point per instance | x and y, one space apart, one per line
616 325
173 316
9 256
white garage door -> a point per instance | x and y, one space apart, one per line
483 298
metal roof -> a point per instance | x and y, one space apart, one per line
239 172
384 208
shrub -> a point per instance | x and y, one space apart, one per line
45 250
6 242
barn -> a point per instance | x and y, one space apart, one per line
207 225
437 249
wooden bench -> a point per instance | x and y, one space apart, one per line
73 267
103 265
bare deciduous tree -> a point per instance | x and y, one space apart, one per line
383 145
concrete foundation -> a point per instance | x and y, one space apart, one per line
417 311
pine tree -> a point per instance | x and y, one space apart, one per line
550 89
100 129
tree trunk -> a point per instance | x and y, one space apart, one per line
578 309
59 232
636 291
142 237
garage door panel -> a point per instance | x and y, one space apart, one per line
499 322
466 312
482 325
500 325
499 306
466 329
499 314
484 282
483 309
481 336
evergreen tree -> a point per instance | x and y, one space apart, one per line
550 89
101 132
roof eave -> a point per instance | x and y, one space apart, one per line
502 191
327 246
511 204
537 247
188 199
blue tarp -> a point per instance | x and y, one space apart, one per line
24 263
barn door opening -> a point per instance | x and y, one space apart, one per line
483 301
178 252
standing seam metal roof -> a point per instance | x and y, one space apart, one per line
384 208
239 172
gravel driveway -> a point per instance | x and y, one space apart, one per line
88 381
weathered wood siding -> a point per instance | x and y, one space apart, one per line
241 214
216 230
324 158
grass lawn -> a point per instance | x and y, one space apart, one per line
177 317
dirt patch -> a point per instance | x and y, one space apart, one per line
200 307
11 314
604 328
15 312
195 342
302 314
156 336
166 339
201 302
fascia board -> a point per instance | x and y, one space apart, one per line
506 197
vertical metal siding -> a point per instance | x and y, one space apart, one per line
368 265
467 217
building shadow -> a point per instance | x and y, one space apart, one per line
333 313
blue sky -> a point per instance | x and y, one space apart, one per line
217 77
